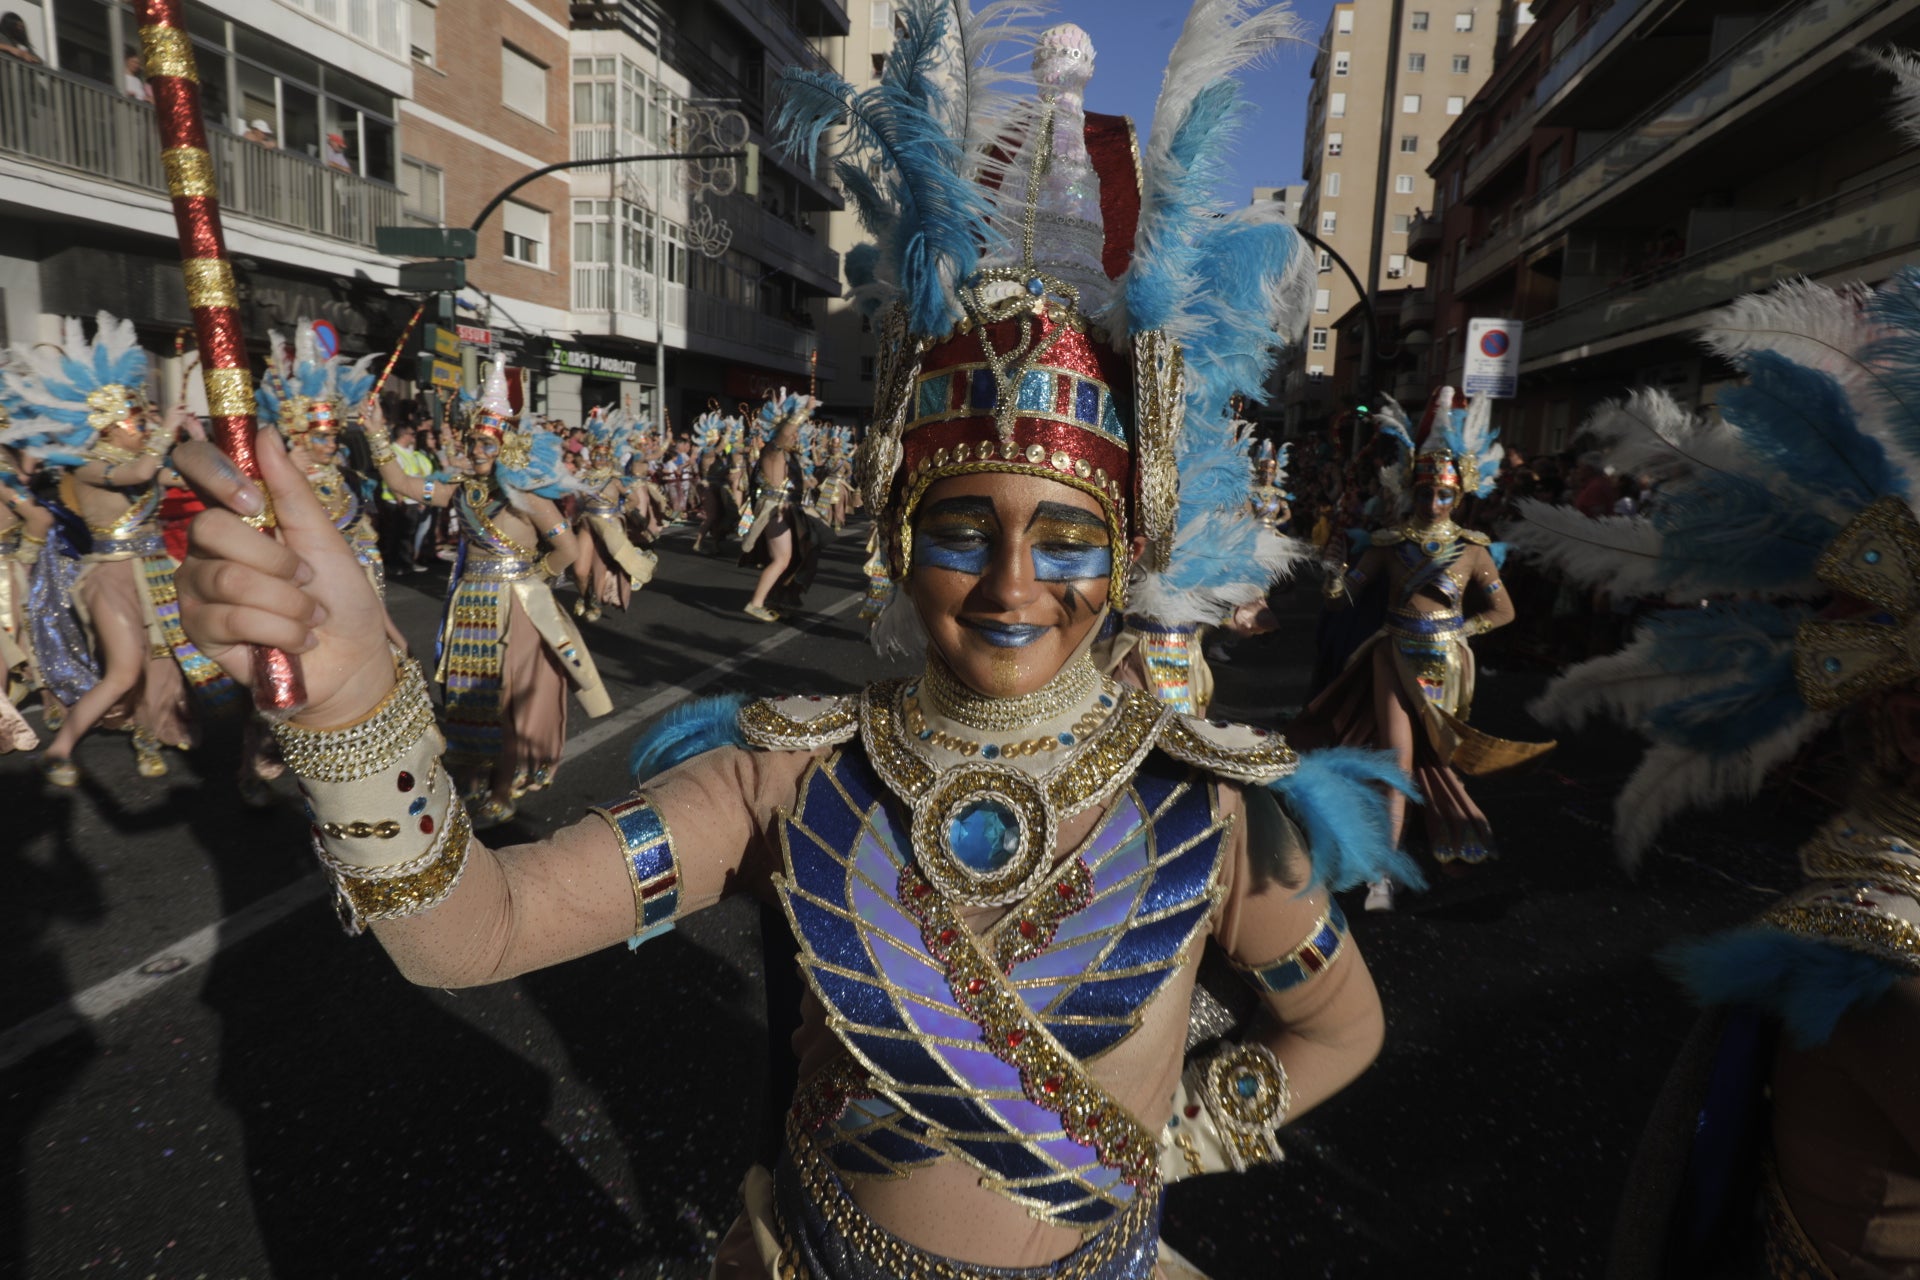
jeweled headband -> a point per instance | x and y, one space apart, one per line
1438 468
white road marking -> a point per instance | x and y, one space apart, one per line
138 981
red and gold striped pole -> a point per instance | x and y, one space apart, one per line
168 54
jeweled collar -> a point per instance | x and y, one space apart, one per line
953 707
1434 539
1865 895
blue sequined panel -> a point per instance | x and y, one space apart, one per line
1153 862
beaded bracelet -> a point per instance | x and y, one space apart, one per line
369 746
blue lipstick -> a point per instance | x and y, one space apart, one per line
1007 635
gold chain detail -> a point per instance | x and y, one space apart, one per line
370 746
917 726
210 282
408 888
1860 930
765 727
1072 685
189 172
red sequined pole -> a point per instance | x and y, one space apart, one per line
168 56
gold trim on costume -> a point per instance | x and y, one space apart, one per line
765 726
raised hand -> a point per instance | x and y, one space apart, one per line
302 592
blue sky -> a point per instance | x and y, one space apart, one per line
1131 40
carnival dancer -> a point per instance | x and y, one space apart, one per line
783 539
507 652
82 407
835 472
715 439
23 531
1784 555
1409 687
1272 504
998 869
610 568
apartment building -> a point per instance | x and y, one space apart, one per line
722 284
302 109
1610 219
848 395
1290 199
1388 80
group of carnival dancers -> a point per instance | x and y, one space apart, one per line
1002 870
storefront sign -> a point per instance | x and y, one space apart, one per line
446 375
592 363
474 335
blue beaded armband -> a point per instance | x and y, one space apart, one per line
652 866
1321 948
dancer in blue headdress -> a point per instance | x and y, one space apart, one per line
1000 869
610 568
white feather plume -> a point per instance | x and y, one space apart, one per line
1274 557
1620 551
1904 66
1672 780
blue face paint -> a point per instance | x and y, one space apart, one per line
1066 563
1007 635
962 551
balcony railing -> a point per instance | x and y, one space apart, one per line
1767 55
58 121
1500 149
1579 53
628 293
779 243
1423 236
1492 253
1851 229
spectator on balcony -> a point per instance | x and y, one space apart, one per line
337 153
134 82
261 132
14 40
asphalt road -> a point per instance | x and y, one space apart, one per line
201 1076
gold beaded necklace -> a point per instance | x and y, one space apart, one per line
1071 686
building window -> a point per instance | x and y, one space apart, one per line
1316 372
1342 62
1416 62
1344 24
1335 142
1419 20
1396 265
1318 342
1403 184
1461 64
1399 224
1455 105
1324 260
422 37
1409 143
526 233
1463 21
1331 186
1323 299
866 368
1410 104
880 15
1337 105
1329 223
879 65
423 191
523 84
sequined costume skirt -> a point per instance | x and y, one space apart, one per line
824 1235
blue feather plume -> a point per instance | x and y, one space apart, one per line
1806 983
1798 421
1744 649
691 729
1336 796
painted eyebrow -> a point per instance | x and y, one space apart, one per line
1067 515
963 505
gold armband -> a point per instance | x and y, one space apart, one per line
366 895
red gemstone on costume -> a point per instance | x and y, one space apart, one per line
1028 928
1119 1143
426 825
1192 1111
922 890
1051 1084
976 985
1014 1038
405 781
946 935
1064 890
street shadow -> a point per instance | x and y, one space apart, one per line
57 887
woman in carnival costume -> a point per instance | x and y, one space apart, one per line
507 651
716 439
1272 504
610 568
1409 687
23 532
835 471
783 540
998 870
82 407
1792 516
310 398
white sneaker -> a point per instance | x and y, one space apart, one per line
1380 896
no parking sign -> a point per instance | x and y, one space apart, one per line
326 338
1493 358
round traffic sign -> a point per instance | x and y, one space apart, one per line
1494 343
326 339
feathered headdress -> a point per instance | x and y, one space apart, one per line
1790 515
61 397
302 391
783 407
1056 306
493 415
1461 450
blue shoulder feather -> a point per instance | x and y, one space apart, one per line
1804 982
691 729
1335 795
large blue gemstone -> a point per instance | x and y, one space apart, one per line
984 835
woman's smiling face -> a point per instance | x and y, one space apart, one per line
1010 575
